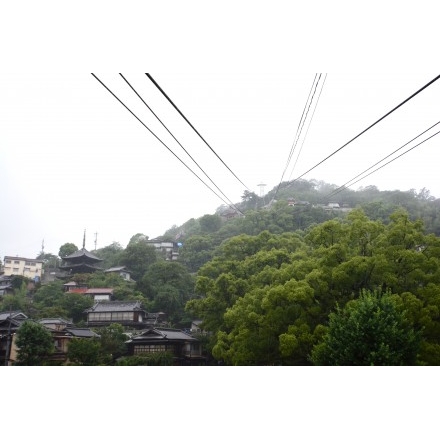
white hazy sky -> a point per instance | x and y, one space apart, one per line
73 158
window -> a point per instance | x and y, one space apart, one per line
15 269
16 262
150 348
8 261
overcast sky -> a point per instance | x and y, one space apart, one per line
73 158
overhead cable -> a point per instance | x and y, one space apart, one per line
343 187
166 128
180 160
299 129
372 125
348 184
307 131
189 123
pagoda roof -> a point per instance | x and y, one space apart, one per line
81 255
80 268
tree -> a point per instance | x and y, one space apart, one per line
138 256
368 331
83 351
210 223
67 249
50 261
160 358
110 254
34 343
112 341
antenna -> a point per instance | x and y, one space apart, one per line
261 185
96 239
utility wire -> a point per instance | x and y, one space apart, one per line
372 125
159 139
200 136
348 184
157 117
310 122
298 130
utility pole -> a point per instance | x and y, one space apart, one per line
96 239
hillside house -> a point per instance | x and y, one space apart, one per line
185 348
126 313
121 271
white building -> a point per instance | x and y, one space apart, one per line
28 267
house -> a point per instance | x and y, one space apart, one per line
121 271
195 326
169 249
96 293
5 285
100 293
63 331
27 267
185 348
126 313
10 322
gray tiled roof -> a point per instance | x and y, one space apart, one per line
117 269
82 333
162 334
82 253
115 306
15 315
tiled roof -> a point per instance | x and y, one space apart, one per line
117 269
82 333
162 334
115 306
98 290
82 253
14 315
54 321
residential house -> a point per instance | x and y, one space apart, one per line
63 331
10 322
121 271
27 267
126 313
169 249
96 293
5 285
185 348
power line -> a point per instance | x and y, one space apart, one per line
159 139
307 131
372 125
346 184
166 128
343 187
184 117
299 129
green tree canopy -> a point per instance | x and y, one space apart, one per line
370 330
34 343
67 249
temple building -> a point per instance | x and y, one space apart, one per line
81 261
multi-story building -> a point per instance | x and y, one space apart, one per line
28 267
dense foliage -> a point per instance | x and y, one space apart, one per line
282 284
267 299
34 343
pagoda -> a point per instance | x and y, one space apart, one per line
81 261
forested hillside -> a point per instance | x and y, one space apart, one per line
286 279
